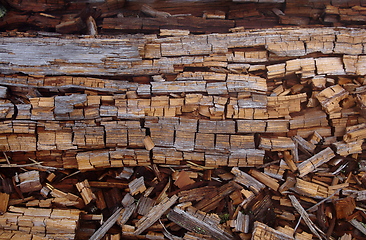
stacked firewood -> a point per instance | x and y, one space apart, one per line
255 134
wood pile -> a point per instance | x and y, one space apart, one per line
187 127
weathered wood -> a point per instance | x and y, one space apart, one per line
290 182
355 133
46 222
330 97
345 149
261 231
4 200
276 144
265 179
247 180
310 189
289 161
125 214
193 24
192 222
305 216
195 194
210 201
29 181
305 145
86 192
107 225
155 213
137 186
315 161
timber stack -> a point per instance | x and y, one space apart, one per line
221 120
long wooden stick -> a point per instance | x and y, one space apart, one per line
106 225
304 215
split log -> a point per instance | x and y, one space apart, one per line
137 186
43 222
305 145
315 161
247 180
355 133
195 194
345 149
265 179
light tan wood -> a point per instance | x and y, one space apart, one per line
289 161
345 149
4 200
317 160
86 192
265 179
261 231
355 133
330 97
148 143
155 213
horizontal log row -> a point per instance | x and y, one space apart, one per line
44 222
83 107
210 83
181 133
140 55
120 157
215 143
214 138
205 82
